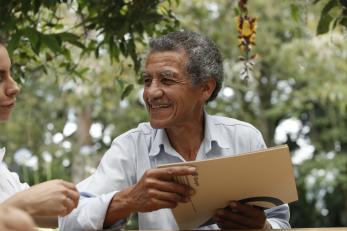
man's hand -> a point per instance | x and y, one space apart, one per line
240 216
13 219
155 190
51 198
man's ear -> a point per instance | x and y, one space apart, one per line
208 87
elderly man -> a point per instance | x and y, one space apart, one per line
183 72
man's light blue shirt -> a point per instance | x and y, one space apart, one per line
142 148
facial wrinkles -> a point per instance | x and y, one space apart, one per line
156 99
164 69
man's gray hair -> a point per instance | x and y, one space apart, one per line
204 58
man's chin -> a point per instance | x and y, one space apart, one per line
156 124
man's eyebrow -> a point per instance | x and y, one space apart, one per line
168 73
144 74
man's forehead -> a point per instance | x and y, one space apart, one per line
165 60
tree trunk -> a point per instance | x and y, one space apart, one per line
84 122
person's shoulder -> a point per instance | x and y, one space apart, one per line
143 129
231 123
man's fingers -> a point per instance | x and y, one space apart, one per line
167 196
170 172
227 215
166 186
247 210
159 204
225 224
245 214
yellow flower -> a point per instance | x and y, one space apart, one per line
246 27
252 39
239 24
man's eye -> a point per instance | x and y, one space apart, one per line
147 81
167 81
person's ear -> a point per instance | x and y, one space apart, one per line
208 87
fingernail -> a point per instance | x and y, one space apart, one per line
192 169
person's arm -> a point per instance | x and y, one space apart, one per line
51 198
46 221
154 191
13 219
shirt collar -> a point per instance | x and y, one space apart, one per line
159 139
2 153
212 134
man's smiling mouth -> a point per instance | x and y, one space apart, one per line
159 106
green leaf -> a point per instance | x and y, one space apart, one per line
32 35
14 42
325 18
127 91
72 39
344 22
52 42
294 10
120 82
323 25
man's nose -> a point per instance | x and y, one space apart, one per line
154 91
12 88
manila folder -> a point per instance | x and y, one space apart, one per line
262 178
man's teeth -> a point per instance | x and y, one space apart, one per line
159 106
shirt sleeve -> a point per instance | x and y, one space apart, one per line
9 183
89 215
15 182
115 172
278 217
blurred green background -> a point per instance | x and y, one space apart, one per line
79 62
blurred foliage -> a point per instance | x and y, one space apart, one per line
333 13
74 102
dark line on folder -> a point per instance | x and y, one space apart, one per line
273 200
191 202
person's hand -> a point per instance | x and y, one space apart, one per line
156 189
240 216
51 198
13 219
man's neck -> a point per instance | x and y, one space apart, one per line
186 140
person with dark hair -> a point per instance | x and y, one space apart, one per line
182 73
44 201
